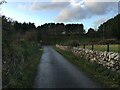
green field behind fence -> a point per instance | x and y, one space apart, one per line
112 47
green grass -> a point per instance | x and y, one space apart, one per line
21 64
25 77
104 76
115 48
112 48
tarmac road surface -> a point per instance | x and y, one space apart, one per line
55 71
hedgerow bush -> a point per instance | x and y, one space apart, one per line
19 63
72 43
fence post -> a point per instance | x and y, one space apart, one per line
84 46
92 46
108 47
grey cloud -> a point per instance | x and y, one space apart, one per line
48 5
71 14
90 9
100 8
119 7
100 21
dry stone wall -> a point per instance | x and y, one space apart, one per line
110 60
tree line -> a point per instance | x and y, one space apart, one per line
107 30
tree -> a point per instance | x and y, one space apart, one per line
91 32
7 30
3 1
110 28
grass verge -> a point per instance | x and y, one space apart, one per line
107 78
26 76
20 63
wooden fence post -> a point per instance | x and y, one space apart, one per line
108 47
84 46
92 47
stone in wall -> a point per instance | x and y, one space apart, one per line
108 59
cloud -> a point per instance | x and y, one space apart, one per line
100 21
60 0
99 8
84 11
73 10
71 14
119 7
22 7
45 6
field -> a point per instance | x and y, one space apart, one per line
112 48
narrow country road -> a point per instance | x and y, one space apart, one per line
55 71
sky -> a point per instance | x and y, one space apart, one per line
91 13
